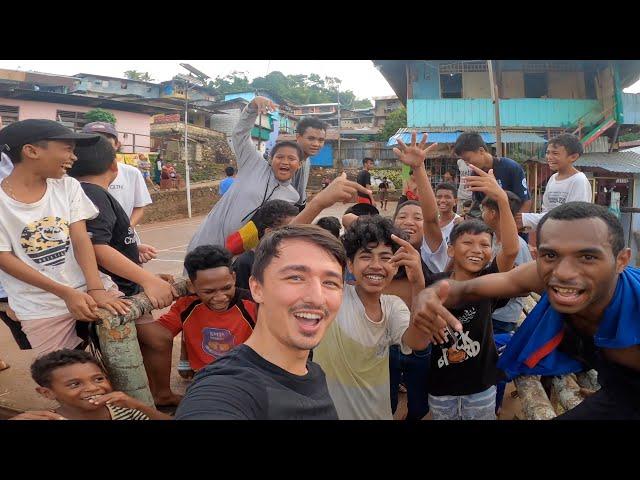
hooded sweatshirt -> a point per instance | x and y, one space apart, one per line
255 184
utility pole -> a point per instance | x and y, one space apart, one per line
339 134
186 151
495 97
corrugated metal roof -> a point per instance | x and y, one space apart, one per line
619 162
452 135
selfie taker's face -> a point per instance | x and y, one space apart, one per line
284 163
74 385
300 294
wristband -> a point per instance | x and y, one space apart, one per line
184 365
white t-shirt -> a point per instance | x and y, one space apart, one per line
354 355
6 167
130 189
446 230
576 188
464 192
436 261
38 234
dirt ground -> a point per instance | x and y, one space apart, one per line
17 389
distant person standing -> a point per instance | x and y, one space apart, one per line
364 179
158 170
383 188
227 182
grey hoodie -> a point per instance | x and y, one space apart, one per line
255 184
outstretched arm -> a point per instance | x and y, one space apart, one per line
430 307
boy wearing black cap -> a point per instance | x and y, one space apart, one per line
47 264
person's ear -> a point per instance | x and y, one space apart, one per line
114 166
623 259
256 290
233 275
46 392
573 157
450 251
190 287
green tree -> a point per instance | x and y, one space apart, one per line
100 115
136 75
395 121
234 82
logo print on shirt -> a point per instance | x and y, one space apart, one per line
217 341
462 348
46 241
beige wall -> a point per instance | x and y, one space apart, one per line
566 84
476 85
512 85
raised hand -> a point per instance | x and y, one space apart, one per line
264 105
486 183
414 155
409 258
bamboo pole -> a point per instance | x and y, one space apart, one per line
120 349
535 403
567 391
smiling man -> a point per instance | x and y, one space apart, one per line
311 134
587 318
297 282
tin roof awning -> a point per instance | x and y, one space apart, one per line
618 162
452 136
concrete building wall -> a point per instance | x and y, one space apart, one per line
127 123
115 87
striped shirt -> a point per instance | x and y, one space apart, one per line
122 413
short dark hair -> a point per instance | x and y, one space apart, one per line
268 248
366 159
370 229
310 122
571 143
229 171
205 257
515 203
404 204
467 203
271 214
447 186
583 210
15 154
330 224
43 367
469 142
472 226
360 209
287 143
93 159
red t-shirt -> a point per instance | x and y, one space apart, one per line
208 334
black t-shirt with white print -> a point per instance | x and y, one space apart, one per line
112 227
467 364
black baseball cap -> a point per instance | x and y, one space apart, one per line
15 135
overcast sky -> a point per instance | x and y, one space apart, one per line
360 76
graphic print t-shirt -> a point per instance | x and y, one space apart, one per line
38 234
208 334
466 364
112 227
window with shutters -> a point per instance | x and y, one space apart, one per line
73 120
9 114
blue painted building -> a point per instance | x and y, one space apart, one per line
536 96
